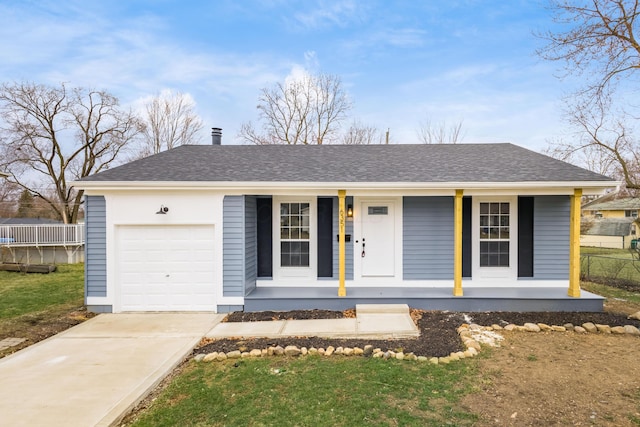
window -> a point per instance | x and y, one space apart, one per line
494 235
294 234
631 213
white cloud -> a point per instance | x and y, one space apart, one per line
323 14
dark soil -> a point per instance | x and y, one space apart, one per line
37 327
438 336
624 284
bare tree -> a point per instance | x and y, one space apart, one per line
362 134
440 133
598 40
306 110
171 121
9 194
52 135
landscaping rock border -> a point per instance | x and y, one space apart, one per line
472 335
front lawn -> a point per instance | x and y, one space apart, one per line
36 306
314 390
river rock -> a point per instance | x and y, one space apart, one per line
422 359
473 344
631 330
292 350
558 328
531 327
200 357
618 330
605 329
400 356
221 356
347 351
278 351
510 327
255 352
544 327
590 327
357 351
329 350
368 350
635 316
235 354
579 330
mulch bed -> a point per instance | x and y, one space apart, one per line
438 336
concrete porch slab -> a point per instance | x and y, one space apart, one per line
382 308
386 325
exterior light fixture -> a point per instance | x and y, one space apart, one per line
349 211
163 210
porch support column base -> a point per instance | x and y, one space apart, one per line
342 291
457 245
574 245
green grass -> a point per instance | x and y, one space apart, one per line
609 264
588 250
611 292
27 294
314 390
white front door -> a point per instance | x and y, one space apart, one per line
377 244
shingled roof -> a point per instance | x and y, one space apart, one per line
400 163
627 203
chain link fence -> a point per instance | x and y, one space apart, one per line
619 271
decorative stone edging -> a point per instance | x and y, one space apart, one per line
473 336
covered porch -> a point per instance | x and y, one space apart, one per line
475 299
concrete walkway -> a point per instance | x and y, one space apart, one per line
372 321
93 373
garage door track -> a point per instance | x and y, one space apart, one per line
92 374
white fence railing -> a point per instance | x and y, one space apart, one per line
42 235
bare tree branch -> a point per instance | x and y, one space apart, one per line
56 135
361 134
440 133
599 40
307 110
171 121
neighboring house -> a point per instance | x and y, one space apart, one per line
627 207
608 232
39 240
219 228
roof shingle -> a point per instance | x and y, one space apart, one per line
349 163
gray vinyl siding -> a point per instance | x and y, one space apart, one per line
551 221
348 245
250 243
427 238
233 246
95 246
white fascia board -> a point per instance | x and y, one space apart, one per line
589 187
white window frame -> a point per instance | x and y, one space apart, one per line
495 273
295 273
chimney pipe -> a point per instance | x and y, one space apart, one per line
216 136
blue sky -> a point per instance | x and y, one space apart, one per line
401 62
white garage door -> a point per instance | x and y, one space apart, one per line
166 268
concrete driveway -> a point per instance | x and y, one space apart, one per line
93 373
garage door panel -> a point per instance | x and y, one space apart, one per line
167 268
